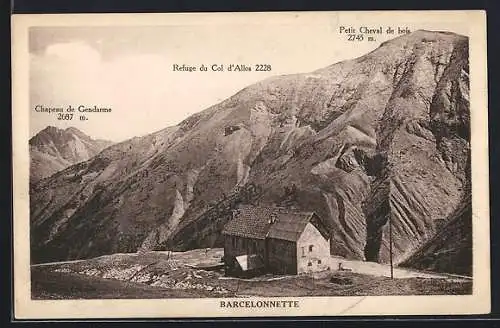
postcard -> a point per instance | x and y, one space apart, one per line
204 165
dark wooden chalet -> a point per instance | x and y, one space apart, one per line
274 240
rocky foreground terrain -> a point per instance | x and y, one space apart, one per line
377 139
53 149
198 273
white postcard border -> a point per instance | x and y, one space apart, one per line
25 308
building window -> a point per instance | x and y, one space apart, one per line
303 252
309 264
310 248
319 261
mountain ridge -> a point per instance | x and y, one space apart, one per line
378 136
53 149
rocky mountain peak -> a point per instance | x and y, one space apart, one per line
364 143
53 149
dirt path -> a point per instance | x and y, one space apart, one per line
54 263
384 270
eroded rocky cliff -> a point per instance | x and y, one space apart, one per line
382 136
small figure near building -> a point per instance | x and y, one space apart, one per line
274 240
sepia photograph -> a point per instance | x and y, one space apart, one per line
251 164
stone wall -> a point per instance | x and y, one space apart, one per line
313 251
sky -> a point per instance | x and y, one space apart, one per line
129 69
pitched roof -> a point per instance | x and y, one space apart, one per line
289 226
249 221
255 222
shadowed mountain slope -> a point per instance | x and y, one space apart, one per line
382 136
